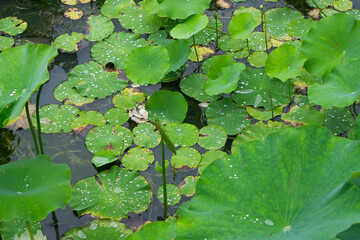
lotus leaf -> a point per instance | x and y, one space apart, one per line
99 229
116 48
236 48
303 115
138 159
147 65
158 38
209 157
22 70
357 129
12 25
54 119
185 157
217 60
212 137
179 52
182 135
103 157
120 192
255 13
234 199
67 42
165 139
208 34
257 59
326 46
203 53
26 235
173 194
10 229
169 106
112 8
6 42
340 89
338 120
300 27
190 26
263 115
65 93
106 137
320 3
116 116
241 26
100 27
343 5
146 136
351 233
257 41
87 118
32 188
129 98
91 80
156 230
188 188
73 13
227 115
301 100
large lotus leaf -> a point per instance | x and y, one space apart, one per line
291 191
182 135
209 157
146 136
6 42
67 42
22 70
338 120
303 115
99 229
181 8
32 188
10 229
128 98
212 137
138 159
119 193
351 233
179 51
112 8
185 157
147 65
116 48
241 26
68 95
255 88
91 80
100 27
169 106
12 25
326 46
106 137
156 230
190 26
341 88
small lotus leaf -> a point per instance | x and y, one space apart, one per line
67 42
164 139
202 51
241 26
188 188
320 3
181 8
116 48
103 157
257 41
303 115
257 59
112 8
128 98
147 65
87 118
182 135
209 157
190 26
100 27
173 194
138 159
343 5
338 120
263 115
209 33
12 25
217 60
10 229
120 192
159 230
146 136
300 27
212 137
255 13
236 48
73 13
179 52
169 106
6 42
55 118
158 38
31 188
68 95
185 157
99 229
227 115
106 137
116 116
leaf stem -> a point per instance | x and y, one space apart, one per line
354 109
31 127
317 6
55 224
218 30
164 177
196 53
29 229
38 119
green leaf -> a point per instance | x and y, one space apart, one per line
338 120
234 199
67 42
12 25
263 115
128 98
181 8
146 136
31 188
320 3
103 157
6 42
116 116
173 194
343 5
182 135
179 52
257 41
241 26
257 59
190 26
156 230
236 48
208 157
185 157
10 229
68 95
303 115
87 118
255 13
208 34
300 27
159 168
112 8
212 137
138 159
188 184
351 233
120 192
100 27
164 136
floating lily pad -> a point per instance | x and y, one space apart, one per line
257 59
185 157
303 115
147 65
263 115
87 118
159 230
12 25
67 42
338 120
106 137
99 229
169 106
128 98
271 191
103 157
179 52
10 229
32 188
112 8
182 135
120 192
116 48
68 95
158 38
55 118
236 48
208 34
227 115
343 5
212 137
203 53
100 27
321 3
173 194
180 8
116 116
188 188
91 80
241 26
209 157
74 13
255 13
190 26
257 41
300 27
146 136
6 42
138 159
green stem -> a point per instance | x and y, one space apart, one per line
55 224
354 108
196 53
31 128
29 229
164 177
38 119
218 30
317 6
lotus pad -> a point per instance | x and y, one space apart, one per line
54 119
299 28
112 8
116 48
129 98
212 137
255 13
32 188
306 189
100 28
12 25
236 48
257 59
264 115
6 43
146 136
241 26
86 118
209 157
99 229
22 70
169 106
255 88
138 159
227 115
320 3
326 46
208 34
147 65
257 41
188 188
190 26
120 192
91 80
338 120
303 115
159 230
10 229
116 116
103 157
182 135
179 52
186 157
182 8
203 53
114 138
65 93
173 194
343 5
67 42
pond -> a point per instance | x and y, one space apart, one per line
138 62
